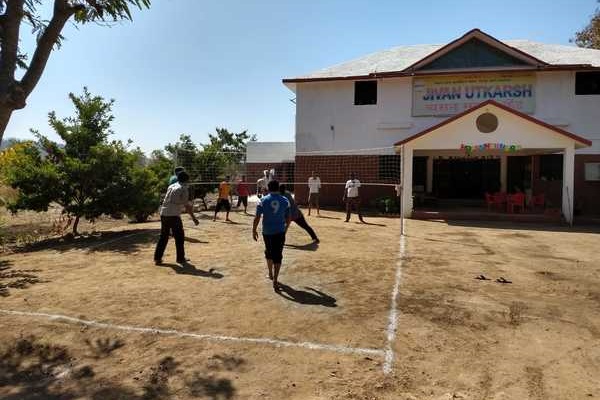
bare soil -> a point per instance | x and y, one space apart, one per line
458 337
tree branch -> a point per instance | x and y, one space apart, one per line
62 12
11 23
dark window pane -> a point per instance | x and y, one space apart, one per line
551 167
587 83
365 92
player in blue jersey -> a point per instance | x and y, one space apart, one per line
275 212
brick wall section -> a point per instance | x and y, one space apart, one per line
336 170
552 190
587 193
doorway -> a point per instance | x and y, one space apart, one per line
465 178
518 174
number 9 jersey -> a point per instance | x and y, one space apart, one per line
275 209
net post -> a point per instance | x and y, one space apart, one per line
402 190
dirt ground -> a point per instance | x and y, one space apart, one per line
458 337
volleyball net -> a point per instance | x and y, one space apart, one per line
377 169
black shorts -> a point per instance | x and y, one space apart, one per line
274 247
242 200
223 204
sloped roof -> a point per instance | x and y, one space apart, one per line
580 140
399 59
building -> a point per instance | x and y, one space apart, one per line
262 156
472 116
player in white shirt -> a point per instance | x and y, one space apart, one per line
351 197
314 186
261 185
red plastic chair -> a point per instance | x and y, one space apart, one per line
538 200
499 200
515 201
489 200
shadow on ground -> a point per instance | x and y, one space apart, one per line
190 269
309 297
16 279
31 369
312 246
125 242
369 223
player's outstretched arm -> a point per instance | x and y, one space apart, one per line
189 208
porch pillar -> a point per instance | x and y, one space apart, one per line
429 187
407 168
568 195
503 172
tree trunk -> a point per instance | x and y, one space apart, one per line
5 113
75 233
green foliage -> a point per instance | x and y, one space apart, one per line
88 175
589 37
161 165
143 190
387 205
210 162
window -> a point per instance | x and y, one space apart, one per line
587 83
365 92
389 168
487 123
551 167
592 171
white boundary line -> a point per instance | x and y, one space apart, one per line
201 336
393 317
387 353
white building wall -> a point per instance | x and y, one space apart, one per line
556 103
270 152
328 120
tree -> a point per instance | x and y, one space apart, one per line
88 176
142 194
13 13
208 163
589 37
162 166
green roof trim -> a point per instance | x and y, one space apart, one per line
473 54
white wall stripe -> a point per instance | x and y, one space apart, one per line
201 336
393 317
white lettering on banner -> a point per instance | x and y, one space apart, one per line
449 95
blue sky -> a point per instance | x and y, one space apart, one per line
188 66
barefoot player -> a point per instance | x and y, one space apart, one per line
224 199
275 212
314 186
351 197
243 191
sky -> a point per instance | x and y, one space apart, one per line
189 66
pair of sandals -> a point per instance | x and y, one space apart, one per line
499 280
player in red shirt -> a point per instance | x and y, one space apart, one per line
243 192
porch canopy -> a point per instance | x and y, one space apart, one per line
491 129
